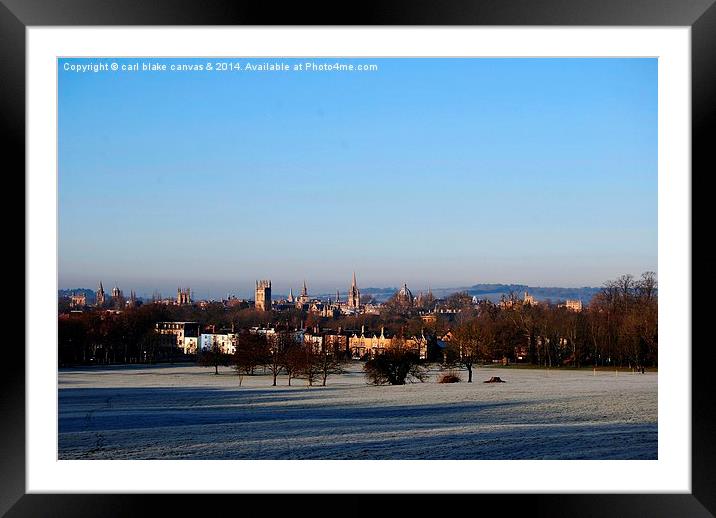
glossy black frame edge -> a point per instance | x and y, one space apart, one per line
700 15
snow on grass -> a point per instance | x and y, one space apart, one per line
187 412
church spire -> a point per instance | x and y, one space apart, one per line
354 294
99 296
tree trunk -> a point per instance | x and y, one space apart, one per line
531 349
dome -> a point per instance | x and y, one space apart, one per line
405 295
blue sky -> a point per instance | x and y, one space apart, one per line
441 172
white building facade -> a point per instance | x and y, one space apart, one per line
226 342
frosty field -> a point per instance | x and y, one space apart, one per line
187 412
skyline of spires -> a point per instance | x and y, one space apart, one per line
185 293
352 300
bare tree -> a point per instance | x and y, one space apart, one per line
367 299
311 365
275 360
470 342
251 352
395 366
213 357
328 364
460 300
524 317
646 286
293 361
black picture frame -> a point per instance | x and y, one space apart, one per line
699 15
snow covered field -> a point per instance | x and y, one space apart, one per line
187 412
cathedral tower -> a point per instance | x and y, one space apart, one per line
183 296
263 295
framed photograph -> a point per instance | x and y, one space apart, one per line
434 251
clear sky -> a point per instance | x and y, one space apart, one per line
441 172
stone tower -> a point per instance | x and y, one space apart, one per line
263 295
354 294
183 296
303 298
132 302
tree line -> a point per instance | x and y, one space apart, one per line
619 327
281 355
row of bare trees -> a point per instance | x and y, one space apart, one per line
281 355
99 337
130 337
618 328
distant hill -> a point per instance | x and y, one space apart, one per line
380 294
378 291
495 291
